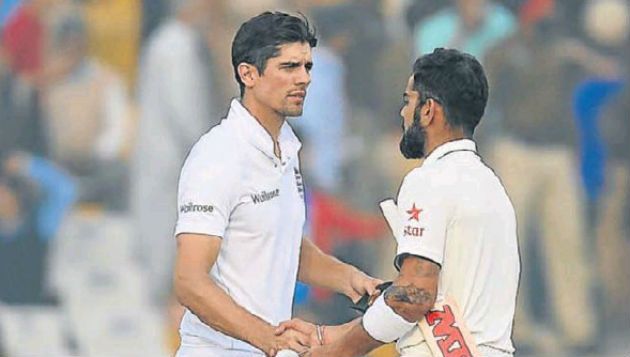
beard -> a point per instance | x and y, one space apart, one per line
292 109
413 139
291 112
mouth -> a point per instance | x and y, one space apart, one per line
299 95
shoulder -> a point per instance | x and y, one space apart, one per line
423 184
438 176
218 150
452 178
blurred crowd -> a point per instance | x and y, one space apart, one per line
100 101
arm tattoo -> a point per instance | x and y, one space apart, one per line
409 294
421 267
426 269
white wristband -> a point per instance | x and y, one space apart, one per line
384 324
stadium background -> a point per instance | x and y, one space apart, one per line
85 243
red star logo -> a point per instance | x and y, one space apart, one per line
414 213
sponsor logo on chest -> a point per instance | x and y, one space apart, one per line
264 196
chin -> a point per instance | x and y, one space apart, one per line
293 112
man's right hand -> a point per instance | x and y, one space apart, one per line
326 336
288 339
302 327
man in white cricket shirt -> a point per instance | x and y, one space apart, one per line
456 230
241 207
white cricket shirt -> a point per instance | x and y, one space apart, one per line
456 213
233 186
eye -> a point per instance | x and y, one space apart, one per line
288 66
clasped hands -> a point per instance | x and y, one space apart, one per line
302 337
310 340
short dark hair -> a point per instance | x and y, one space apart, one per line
259 39
457 81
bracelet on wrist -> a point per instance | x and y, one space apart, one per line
320 334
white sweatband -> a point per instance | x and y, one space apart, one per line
384 324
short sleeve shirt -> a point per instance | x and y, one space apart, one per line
233 186
456 213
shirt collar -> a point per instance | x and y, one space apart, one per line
448 147
254 133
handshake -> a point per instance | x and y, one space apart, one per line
301 338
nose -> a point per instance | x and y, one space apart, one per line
303 77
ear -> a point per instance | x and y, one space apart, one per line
427 112
248 74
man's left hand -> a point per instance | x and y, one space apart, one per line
361 284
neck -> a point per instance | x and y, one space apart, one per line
269 119
435 142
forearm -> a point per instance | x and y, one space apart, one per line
404 303
322 270
335 332
218 310
355 342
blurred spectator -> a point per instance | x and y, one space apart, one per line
417 11
23 38
153 13
536 159
607 25
113 29
613 229
22 55
175 97
368 37
607 22
6 10
364 22
86 111
20 119
324 120
473 26
34 198
246 8
221 27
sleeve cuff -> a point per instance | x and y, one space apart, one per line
416 249
198 228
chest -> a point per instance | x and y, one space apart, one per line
271 201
